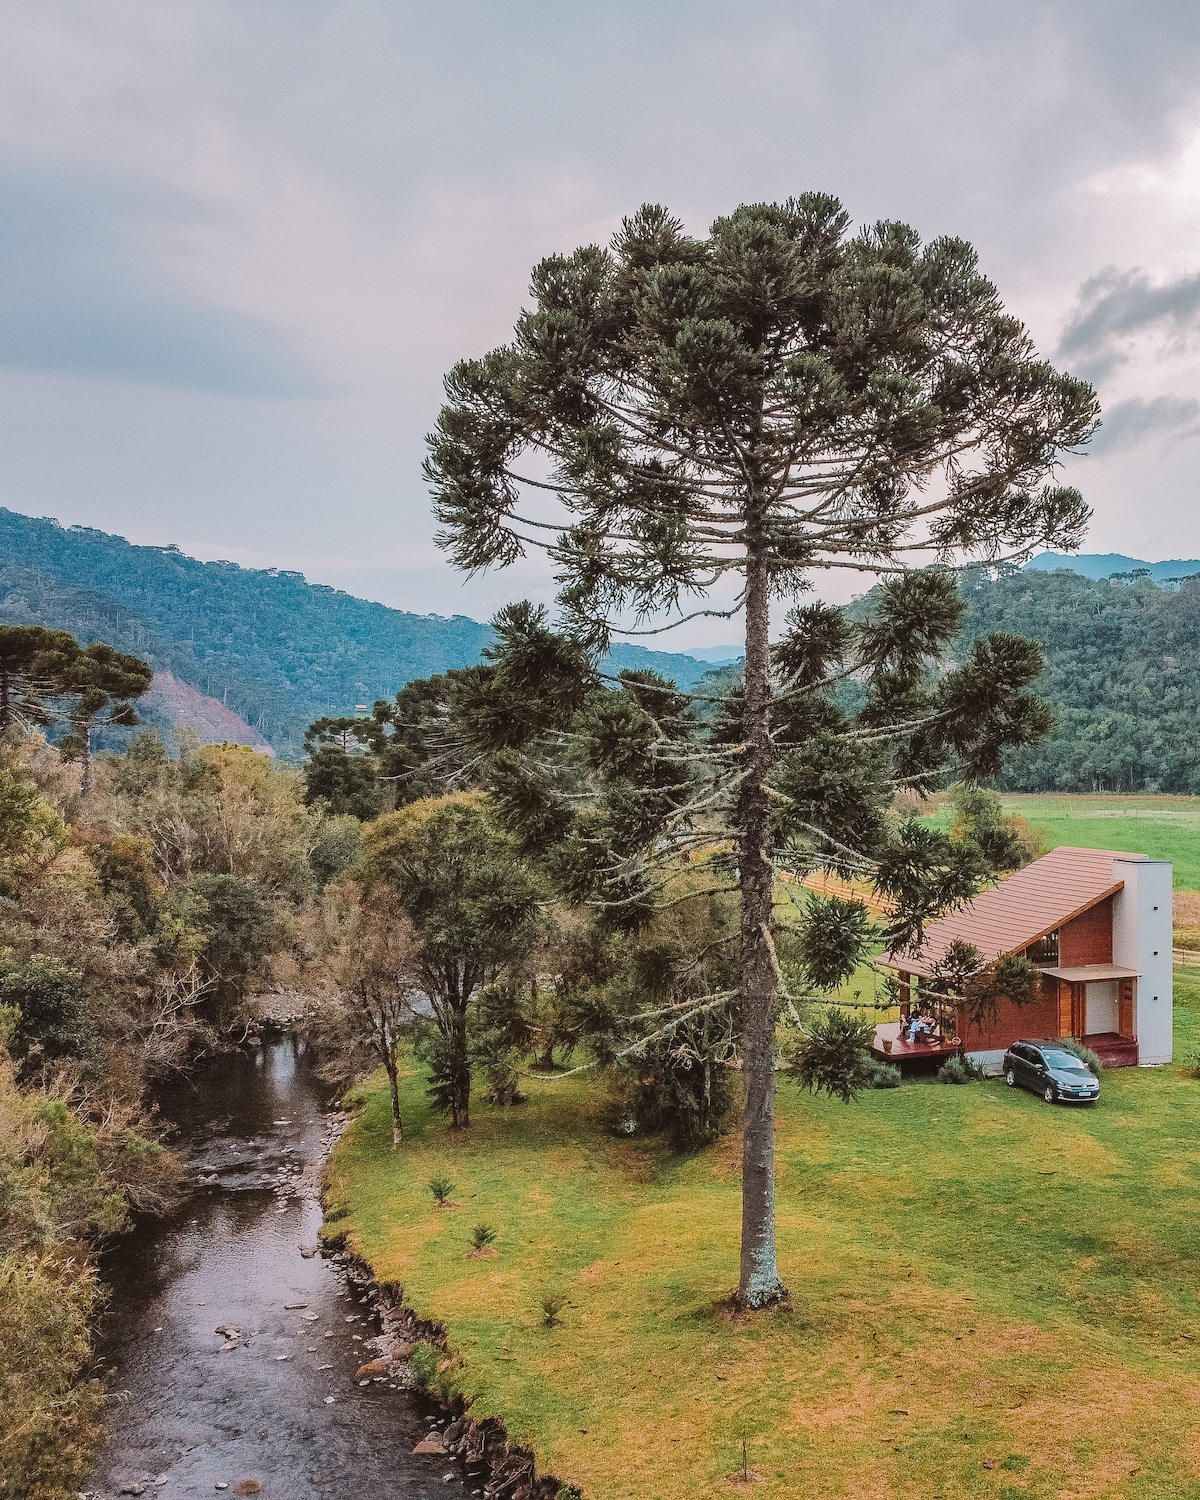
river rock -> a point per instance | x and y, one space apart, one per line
308 1251
431 1444
370 1370
133 1488
248 1487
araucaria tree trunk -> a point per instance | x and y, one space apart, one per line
777 400
85 755
758 1282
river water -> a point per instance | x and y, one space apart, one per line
197 1412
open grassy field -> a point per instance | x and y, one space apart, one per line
1163 827
989 1296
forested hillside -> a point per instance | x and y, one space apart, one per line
1122 675
275 649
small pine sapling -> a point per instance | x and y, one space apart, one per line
552 1305
441 1188
483 1236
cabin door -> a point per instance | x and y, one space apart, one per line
1125 1008
1071 1009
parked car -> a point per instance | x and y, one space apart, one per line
1050 1070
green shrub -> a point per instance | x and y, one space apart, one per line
482 1236
423 1360
552 1305
679 1085
882 1075
52 1020
435 1372
1085 1054
51 1420
959 1069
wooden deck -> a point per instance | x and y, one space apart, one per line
909 1052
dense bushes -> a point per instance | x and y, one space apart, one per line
49 1419
960 1069
66 1178
134 923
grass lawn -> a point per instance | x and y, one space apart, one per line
977 1279
1164 827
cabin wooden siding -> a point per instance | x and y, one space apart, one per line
1011 1023
1059 1008
1087 938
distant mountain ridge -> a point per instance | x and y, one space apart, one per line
274 649
1110 564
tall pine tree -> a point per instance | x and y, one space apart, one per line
777 401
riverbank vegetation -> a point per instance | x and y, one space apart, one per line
139 914
988 1297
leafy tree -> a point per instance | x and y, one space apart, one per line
1006 843
406 751
240 927
831 1053
777 401
52 1020
336 848
97 681
961 977
374 970
474 906
134 893
344 779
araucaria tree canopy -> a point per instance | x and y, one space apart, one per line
778 400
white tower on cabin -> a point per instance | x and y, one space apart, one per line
1142 941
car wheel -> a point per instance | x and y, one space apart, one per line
1011 1079
1050 1096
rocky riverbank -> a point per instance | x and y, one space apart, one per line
496 1469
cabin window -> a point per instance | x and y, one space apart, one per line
1044 951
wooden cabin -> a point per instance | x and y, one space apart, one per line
1097 924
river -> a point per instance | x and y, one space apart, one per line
194 1411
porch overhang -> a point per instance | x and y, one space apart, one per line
1087 973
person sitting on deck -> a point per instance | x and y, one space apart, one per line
922 1029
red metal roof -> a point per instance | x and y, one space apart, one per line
1021 909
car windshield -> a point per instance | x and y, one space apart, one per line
1065 1060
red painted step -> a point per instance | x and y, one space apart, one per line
1113 1051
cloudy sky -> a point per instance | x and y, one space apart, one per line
241 240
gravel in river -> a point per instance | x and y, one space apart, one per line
233 1356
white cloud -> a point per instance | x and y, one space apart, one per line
368 183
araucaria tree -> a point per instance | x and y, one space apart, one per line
778 401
